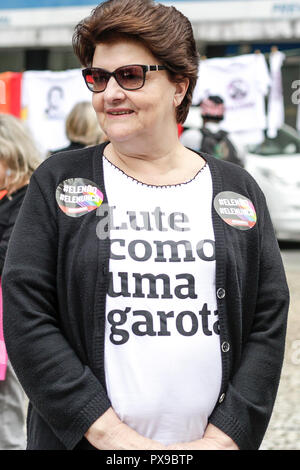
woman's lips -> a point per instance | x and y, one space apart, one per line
119 112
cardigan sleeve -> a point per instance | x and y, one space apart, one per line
246 410
63 390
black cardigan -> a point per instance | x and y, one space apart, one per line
55 282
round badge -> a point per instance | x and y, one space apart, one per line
78 196
236 210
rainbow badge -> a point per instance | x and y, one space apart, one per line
236 210
78 196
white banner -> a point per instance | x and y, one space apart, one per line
242 82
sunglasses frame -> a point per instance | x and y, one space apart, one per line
145 68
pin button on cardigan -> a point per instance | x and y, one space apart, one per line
221 293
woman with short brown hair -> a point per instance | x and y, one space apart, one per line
151 300
163 30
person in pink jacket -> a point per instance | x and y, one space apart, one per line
3 353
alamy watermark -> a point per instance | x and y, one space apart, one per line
139 221
296 94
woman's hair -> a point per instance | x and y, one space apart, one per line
165 31
17 151
82 125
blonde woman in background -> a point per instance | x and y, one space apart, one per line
82 127
18 160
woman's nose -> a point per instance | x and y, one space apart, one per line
113 90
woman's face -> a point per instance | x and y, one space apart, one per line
142 111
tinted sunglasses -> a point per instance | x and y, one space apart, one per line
129 77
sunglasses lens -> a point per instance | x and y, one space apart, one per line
96 80
131 77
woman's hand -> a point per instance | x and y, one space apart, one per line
213 439
109 433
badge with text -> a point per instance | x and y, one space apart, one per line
78 196
236 210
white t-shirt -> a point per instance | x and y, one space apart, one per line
243 82
162 343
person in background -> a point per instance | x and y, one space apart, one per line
18 159
211 138
82 128
149 308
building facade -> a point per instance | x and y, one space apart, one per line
36 34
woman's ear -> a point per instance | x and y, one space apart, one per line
181 87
